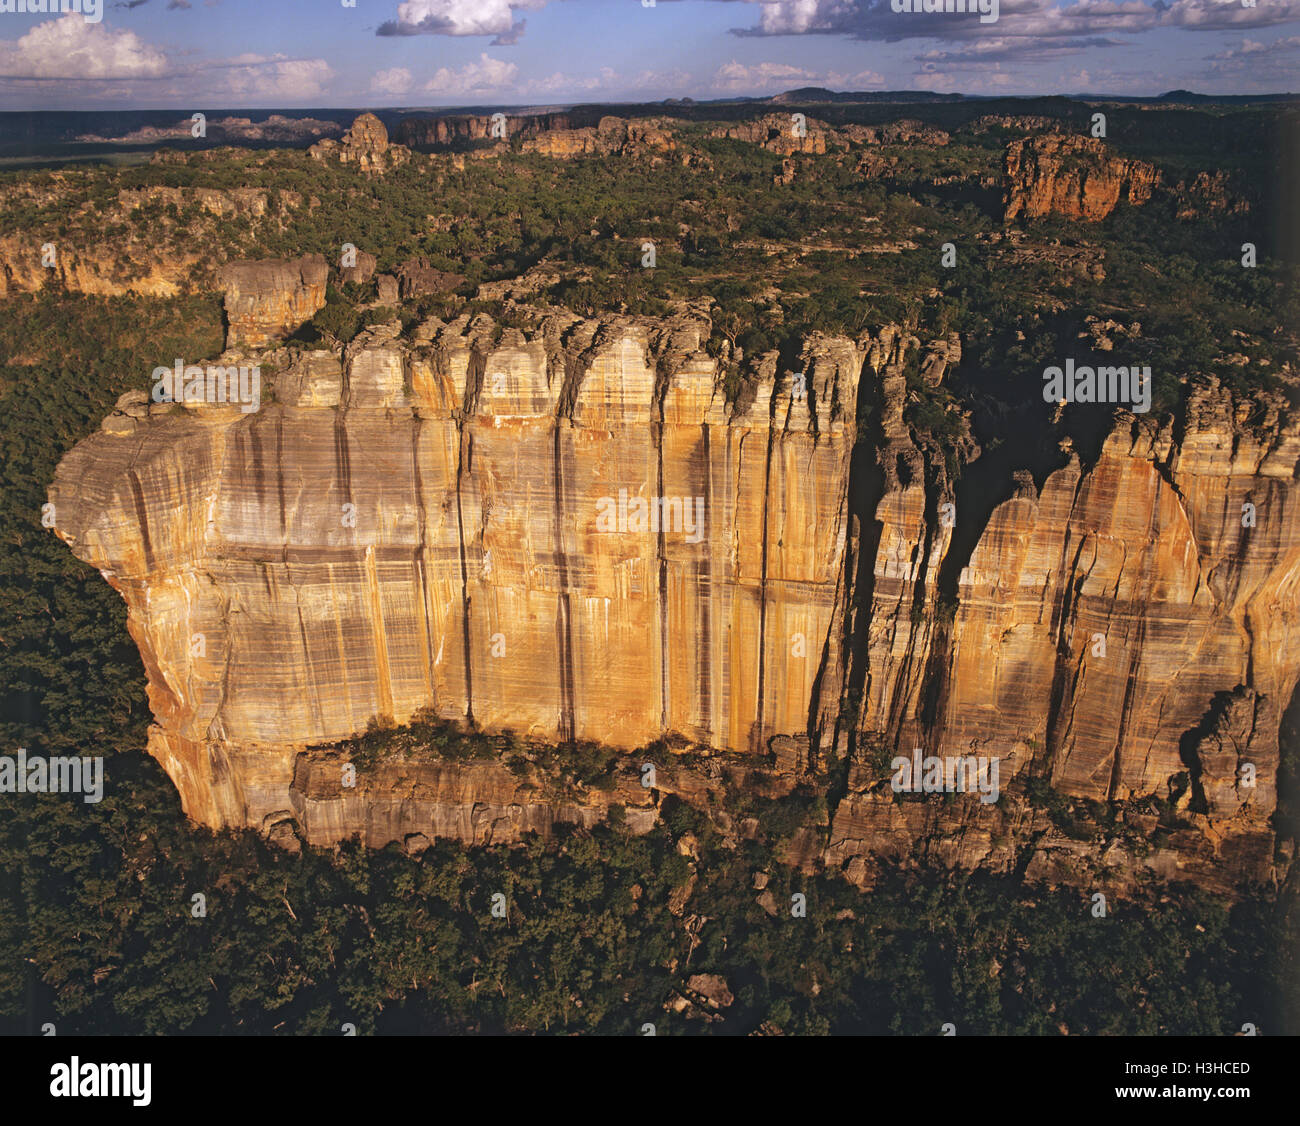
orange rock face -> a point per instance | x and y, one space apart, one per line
1074 177
1128 629
266 301
613 136
568 535
571 534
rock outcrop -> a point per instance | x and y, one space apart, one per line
783 133
441 132
905 132
362 269
467 521
267 301
178 257
474 802
565 135
1073 177
276 128
614 136
417 278
1209 194
366 145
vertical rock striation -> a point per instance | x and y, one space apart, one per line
1127 629
570 533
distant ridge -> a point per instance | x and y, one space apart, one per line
809 94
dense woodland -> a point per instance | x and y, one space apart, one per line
96 932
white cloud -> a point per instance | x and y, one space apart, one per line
460 17
737 76
396 80
675 80
795 17
983 81
1289 46
1082 22
558 83
487 74
860 81
72 48
274 76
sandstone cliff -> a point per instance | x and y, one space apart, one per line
905 132
563 135
1082 178
1124 630
784 133
417 278
276 127
1074 177
455 524
450 521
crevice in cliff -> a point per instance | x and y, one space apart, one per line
141 514
933 481
279 484
313 700
1126 709
421 550
464 469
663 376
216 728
756 739
475 373
342 457
976 491
704 576
564 638
573 373
984 484
934 676
1065 671
1189 745
256 460
866 489
1286 819
816 704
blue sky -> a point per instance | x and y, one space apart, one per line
295 53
